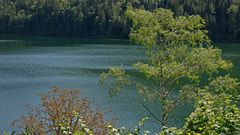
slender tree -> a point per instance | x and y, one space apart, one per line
179 53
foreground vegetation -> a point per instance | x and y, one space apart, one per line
97 17
63 112
183 66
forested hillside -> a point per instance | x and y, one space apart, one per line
98 17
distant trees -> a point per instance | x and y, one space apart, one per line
221 15
62 17
92 17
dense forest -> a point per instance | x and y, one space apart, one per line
106 17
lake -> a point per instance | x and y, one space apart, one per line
33 65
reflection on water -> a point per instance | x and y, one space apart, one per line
29 66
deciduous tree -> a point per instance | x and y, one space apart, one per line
179 53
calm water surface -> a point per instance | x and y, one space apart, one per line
29 66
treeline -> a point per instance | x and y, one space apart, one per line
106 17
222 16
62 17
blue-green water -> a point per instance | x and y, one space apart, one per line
29 66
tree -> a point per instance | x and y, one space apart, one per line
64 112
179 53
232 23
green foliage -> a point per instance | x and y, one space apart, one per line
224 84
179 51
125 131
116 79
84 130
97 17
62 17
162 28
216 110
214 115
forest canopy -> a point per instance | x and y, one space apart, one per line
106 17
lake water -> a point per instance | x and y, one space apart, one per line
29 66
